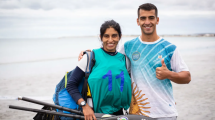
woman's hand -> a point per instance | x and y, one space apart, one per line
88 112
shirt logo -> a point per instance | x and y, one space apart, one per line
135 56
121 59
159 56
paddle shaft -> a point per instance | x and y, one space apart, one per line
50 105
46 112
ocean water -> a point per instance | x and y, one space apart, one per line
24 58
37 50
33 67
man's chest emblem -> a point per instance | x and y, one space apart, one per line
135 56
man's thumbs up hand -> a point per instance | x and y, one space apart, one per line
163 63
162 72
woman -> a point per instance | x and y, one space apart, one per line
109 81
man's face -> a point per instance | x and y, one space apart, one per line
147 21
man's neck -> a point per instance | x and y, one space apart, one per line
149 38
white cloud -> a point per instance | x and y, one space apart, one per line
110 4
45 18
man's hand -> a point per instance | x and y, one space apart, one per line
162 72
88 113
81 54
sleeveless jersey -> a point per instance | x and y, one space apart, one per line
151 97
109 83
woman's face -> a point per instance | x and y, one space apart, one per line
110 39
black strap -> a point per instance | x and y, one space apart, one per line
90 64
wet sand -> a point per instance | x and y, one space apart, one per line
195 101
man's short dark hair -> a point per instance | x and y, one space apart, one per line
147 7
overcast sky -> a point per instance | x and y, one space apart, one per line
61 18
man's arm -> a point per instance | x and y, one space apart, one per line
182 77
120 48
180 73
163 72
81 54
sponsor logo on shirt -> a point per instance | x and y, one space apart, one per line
158 60
121 59
135 56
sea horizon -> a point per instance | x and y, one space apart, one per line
126 35
33 67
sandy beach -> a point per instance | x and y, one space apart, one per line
195 101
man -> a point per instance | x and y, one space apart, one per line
155 62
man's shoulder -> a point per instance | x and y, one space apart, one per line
131 41
168 45
166 41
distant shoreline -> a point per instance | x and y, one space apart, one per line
92 36
176 35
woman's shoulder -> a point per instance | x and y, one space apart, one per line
82 64
97 49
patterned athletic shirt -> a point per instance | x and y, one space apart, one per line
152 97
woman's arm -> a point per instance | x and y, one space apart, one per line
75 79
73 82
72 88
